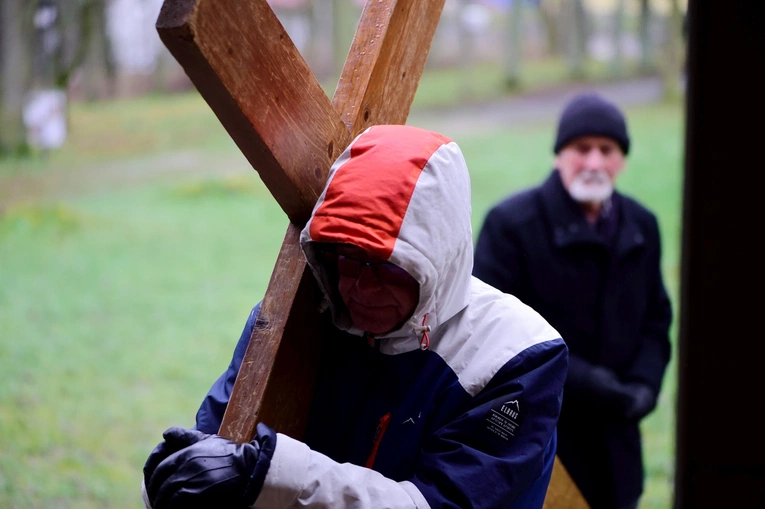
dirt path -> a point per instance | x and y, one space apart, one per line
463 120
541 106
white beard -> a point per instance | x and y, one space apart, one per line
591 186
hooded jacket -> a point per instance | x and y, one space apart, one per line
455 408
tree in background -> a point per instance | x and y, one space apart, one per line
617 62
577 32
644 29
549 12
81 25
43 43
513 45
673 62
97 66
15 73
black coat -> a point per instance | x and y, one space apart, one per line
609 303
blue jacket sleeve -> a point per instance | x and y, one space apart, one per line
210 413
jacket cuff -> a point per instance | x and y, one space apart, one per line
285 477
413 491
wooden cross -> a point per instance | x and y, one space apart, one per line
246 67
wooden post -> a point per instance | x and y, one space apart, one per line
720 458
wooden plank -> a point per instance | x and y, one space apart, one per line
245 66
385 62
275 382
562 493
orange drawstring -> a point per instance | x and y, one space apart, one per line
425 339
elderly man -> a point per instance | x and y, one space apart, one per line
587 259
435 390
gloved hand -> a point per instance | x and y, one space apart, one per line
180 438
643 401
192 469
608 390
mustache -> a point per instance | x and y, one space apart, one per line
597 176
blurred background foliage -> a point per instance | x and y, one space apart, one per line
135 237
88 50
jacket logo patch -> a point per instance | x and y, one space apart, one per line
505 420
411 419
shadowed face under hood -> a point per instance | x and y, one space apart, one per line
402 194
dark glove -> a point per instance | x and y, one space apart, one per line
605 387
207 470
179 439
643 401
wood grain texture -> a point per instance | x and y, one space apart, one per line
562 493
385 62
245 66
275 382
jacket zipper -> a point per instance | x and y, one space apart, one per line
381 427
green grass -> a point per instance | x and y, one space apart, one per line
105 132
120 306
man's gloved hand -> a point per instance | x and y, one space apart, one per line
643 401
180 438
605 386
192 469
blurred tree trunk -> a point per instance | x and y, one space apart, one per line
467 51
617 61
15 72
321 46
76 26
513 44
674 53
345 17
577 35
549 12
97 67
646 56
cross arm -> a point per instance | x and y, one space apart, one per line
246 67
385 62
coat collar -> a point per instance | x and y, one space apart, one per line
570 227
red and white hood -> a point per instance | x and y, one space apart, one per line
403 194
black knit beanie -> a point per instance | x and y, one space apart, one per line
591 115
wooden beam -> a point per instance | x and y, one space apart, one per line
277 376
246 67
385 62
562 493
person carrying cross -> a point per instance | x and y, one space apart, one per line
434 390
